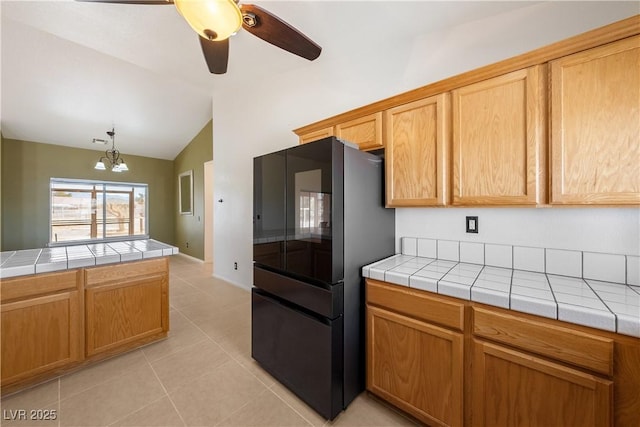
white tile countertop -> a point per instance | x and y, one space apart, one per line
34 261
602 304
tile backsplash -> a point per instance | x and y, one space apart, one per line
615 268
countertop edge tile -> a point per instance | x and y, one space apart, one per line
604 318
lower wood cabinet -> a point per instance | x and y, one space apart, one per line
447 361
416 366
53 323
415 356
515 388
41 325
126 306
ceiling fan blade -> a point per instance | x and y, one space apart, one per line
216 54
274 30
129 1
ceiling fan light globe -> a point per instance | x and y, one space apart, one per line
220 17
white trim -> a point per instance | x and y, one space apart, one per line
231 282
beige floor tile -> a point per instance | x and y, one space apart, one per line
209 399
106 403
182 367
367 411
238 343
31 406
198 298
178 287
160 413
101 372
200 313
228 322
298 405
182 333
255 369
267 410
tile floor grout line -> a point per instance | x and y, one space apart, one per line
292 408
175 408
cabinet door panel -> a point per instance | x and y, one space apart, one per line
316 135
498 140
595 125
39 335
118 314
365 131
513 388
416 366
417 152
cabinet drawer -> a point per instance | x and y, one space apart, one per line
416 304
557 342
40 284
100 275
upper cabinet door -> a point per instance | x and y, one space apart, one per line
417 152
595 125
499 152
316 135
365 131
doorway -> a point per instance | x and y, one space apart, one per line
208 212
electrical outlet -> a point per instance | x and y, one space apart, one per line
235 265
187 244
472 224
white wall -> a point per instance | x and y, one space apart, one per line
246 127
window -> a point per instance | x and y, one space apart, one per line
315 211
96 210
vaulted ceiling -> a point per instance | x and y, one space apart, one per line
72 70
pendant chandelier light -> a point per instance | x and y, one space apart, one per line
112 157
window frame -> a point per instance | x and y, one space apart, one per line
103 191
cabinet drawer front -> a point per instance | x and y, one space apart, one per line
40 284
570 346
416 304
115 272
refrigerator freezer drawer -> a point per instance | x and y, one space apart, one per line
303 352
325 302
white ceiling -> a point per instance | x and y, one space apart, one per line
71 70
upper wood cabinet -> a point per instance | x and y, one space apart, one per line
365 131
499 151
595 125
418 146
316 135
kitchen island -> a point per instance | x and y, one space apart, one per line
69 306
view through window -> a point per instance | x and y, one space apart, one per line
96 210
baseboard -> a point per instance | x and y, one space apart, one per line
191 258
231 282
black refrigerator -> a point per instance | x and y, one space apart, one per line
318 218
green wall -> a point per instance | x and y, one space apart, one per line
25 172
190 228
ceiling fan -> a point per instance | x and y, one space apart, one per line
217 20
